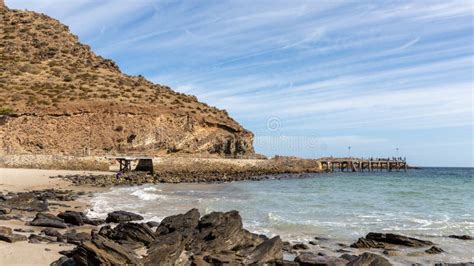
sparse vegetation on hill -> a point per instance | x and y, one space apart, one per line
43 64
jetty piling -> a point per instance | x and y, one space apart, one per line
361 164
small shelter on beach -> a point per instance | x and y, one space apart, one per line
145 164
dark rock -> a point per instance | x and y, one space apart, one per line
72 217
321 238
287 246
7 235
48 220
102 251
310 259
221 259
348 257
122 216
34 238
284 263
367 243
25 201
67 253
198 260
369 259
184 223
72 237
456 264
10 217
391 252
269 250
314 243
105 231
64 261
398 240
152 224
165 250
21 230
5 210
300 246
129 232
462 237
219 231
416 254
58 204
95 222
342 251
51 232
434 250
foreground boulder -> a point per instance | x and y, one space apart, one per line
268 251
48 220
184 223
129 232
165 250
379 240
217 232
7 235
122 216
102 251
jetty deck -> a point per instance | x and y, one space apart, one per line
361 164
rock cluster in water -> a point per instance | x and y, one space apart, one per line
217 238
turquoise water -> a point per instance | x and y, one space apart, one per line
429 203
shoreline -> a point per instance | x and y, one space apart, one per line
22 180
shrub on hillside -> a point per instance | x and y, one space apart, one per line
6 111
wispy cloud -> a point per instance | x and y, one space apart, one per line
333 67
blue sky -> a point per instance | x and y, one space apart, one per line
309 78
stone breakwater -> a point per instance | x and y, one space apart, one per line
218 238
142 178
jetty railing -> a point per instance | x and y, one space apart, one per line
361 164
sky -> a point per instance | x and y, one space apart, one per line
309 78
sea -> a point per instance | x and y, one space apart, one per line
427 203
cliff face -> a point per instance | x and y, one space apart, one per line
57 96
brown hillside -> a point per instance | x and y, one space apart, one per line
57 96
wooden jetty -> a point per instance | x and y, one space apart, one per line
145 164
361 164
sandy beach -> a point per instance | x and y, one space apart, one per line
23 180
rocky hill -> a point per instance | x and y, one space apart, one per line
58 97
